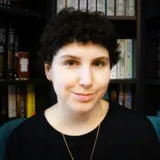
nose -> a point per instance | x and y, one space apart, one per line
86 77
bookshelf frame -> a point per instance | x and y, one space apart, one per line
147 19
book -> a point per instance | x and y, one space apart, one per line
83 5
130 7
113 74
120 8
128 58
31 103
11 53
134 58
110 7
121 95
101 6
12 101
72 3
21 101
23 65
61 4
128 97
113 95
92 5
121 62
17 49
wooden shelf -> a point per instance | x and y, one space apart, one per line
21 12
122 18
123 81
35 81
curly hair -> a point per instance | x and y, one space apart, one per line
71 25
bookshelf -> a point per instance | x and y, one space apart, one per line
28 19
144 26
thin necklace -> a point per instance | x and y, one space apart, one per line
93 149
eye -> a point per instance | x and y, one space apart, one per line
70 63
99 63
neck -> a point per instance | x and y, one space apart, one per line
73 123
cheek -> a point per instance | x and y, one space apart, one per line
63 79
103 78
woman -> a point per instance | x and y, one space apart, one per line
79 50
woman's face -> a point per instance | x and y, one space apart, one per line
80 74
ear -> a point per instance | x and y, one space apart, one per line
47 68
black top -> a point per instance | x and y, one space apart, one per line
123 135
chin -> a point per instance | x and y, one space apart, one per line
83 107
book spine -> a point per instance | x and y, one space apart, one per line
130 8
134 58
120 7
83 5
121 62
101 6
16 57
11 101
23 65
61 4
121 95
21 101
128 97
11 53
113 95
113 74
31 104
110 7
128 58
72 3
92 5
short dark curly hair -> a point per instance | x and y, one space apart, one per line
71 25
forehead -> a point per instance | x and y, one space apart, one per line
83 50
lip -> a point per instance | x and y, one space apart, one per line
84 97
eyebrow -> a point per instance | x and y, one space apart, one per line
74 57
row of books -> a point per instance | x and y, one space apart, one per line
21 100
126 66
122 95
108 7
14 64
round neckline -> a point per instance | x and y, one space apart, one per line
82 135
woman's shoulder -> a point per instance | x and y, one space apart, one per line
124 117
31 125
130 122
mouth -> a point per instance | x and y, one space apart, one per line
84 97
83 94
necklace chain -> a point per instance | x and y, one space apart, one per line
93 149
